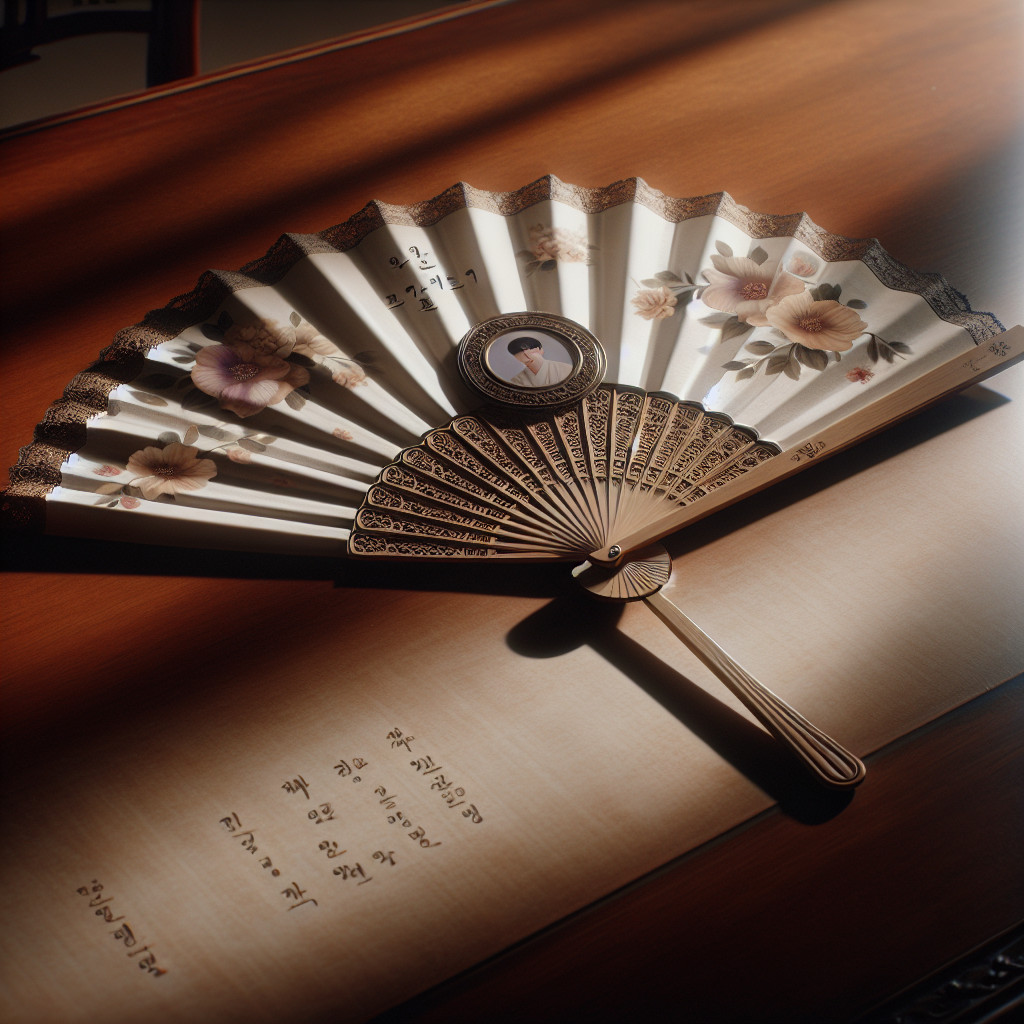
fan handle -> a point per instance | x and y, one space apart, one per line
829 762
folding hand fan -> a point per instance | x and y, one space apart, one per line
556 373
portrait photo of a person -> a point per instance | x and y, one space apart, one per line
538 371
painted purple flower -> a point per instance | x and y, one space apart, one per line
741 286
243 380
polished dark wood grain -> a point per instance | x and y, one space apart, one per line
887 118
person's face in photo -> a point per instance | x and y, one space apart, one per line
532 358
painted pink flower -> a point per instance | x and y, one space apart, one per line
822 324
169 470
239 455
244 380
859 375
802 264
127 501
654 303
548 243
741 286
106 471
342 435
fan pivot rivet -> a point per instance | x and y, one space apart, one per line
614 551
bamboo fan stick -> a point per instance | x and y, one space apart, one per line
829 762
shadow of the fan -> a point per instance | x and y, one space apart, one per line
574 620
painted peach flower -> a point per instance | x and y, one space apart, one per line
169 470
106 471
822 324
265 337
558 244
270 338
342 435
244 380
741 286
127 501
238 455
349 376
309 342
654 303
802 264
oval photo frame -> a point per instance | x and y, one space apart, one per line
497 351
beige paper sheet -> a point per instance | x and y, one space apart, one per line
592 755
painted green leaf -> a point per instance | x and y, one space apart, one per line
294 318
145 399
734 328
812 357
758 255
250 445
725 250
191 435
214 433
668 276
901 347
169 437
224 321
549 265
212 332
735 364
759 348
857 304
747 373
716 319
294 400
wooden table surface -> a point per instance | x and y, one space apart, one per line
876 120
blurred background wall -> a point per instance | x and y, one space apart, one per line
87 69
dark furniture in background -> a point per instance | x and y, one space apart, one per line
172 26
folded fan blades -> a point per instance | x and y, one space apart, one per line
526 486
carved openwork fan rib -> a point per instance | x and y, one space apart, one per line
521 486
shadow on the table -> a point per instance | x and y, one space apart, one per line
572 621
27 553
